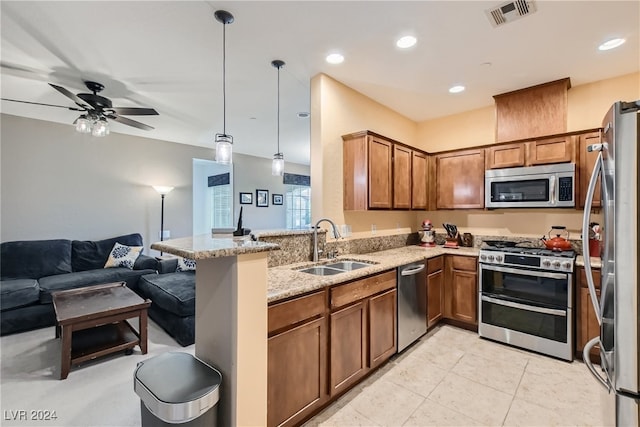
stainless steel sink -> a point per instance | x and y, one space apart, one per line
348 265
322 270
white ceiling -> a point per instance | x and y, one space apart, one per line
168 55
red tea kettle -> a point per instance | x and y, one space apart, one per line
557 243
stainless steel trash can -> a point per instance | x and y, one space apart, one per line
177 388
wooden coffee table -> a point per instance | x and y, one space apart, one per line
93 322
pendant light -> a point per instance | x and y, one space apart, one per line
277 167
224 148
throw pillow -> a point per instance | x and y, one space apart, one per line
186 264
123 256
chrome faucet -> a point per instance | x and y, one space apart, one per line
336 234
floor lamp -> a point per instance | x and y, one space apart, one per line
163 191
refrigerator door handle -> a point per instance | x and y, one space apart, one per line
585 235
587 361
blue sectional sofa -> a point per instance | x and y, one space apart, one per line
31 270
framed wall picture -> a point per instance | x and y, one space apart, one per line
246 198
276 199
262 198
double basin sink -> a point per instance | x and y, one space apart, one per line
335 268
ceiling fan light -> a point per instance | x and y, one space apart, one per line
277 166
100 128
224 149
83 124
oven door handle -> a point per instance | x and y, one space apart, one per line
512 304
561 276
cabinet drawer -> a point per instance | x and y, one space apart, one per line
466 263
582 278
289 313
435 264
355 291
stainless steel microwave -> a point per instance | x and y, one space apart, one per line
548 186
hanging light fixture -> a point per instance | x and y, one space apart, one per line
224 149
277 167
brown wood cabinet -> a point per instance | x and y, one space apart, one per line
587 323
380 185
460 179
402 172
435 290
586 162
297 359
461 289
506 156
363 328
551 150
419 173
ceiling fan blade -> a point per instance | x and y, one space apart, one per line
47 105
129 122
71 96
126 111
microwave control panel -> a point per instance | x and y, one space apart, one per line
565 187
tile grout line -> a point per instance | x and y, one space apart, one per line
515 392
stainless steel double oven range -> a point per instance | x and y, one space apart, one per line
525 298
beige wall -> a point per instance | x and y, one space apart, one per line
338 109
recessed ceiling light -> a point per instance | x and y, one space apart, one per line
611 44
406 42
303 115
456 89
334 58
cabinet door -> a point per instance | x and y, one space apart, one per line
552 150
418 180
587 160
588 327
297 373
401 177
348 361
464 296
460 180
435 297
382 327
505 156
380 179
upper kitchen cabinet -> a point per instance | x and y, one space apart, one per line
460 179
532 112
586 162
506 156
380 173
551 150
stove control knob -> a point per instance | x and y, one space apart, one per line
499 258
483 257
566 265
546 263
491 258
556 264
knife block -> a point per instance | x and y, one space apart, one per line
453 242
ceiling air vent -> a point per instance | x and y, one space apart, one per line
510 11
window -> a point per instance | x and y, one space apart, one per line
297 200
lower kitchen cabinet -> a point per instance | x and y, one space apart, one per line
297 359
587 326
461 289
363 328
435 290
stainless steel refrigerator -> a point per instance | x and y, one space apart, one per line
616 169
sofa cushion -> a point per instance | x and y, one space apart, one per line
173 292
18 292
123 256
79 279
91 255
32 259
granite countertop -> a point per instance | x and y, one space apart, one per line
205 246
285 281
595 262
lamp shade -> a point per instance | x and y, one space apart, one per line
100 128
83 124
161 189
224 149
277 166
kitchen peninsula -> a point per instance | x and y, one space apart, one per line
231 319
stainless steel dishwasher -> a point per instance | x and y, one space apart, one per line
412 303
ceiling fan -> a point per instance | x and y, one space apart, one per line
97 110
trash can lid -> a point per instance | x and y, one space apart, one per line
176 377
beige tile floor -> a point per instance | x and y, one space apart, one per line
451 377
